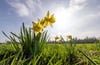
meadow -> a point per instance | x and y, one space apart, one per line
53 54
30 47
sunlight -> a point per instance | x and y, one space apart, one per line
63 18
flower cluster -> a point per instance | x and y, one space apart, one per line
43 23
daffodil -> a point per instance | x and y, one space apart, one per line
42 22
49 18
37 28
52 19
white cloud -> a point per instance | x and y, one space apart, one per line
76 5
33 5
87 18
21 9
25 7
93 15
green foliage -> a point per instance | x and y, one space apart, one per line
98 44
27 43
30 44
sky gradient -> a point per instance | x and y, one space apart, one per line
79 18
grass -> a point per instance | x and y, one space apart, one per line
57 53
6 48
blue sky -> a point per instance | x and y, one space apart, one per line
79 18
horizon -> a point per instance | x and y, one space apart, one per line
79 18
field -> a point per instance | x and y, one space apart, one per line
30 47
57 54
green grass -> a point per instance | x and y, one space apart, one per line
58 55
6 48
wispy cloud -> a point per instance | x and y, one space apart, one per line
82 6
76 5
25 7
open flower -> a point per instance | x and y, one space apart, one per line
49 18
52 19
37 28
43 23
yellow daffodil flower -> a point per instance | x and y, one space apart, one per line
52 19
49 18
42 22
37 28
